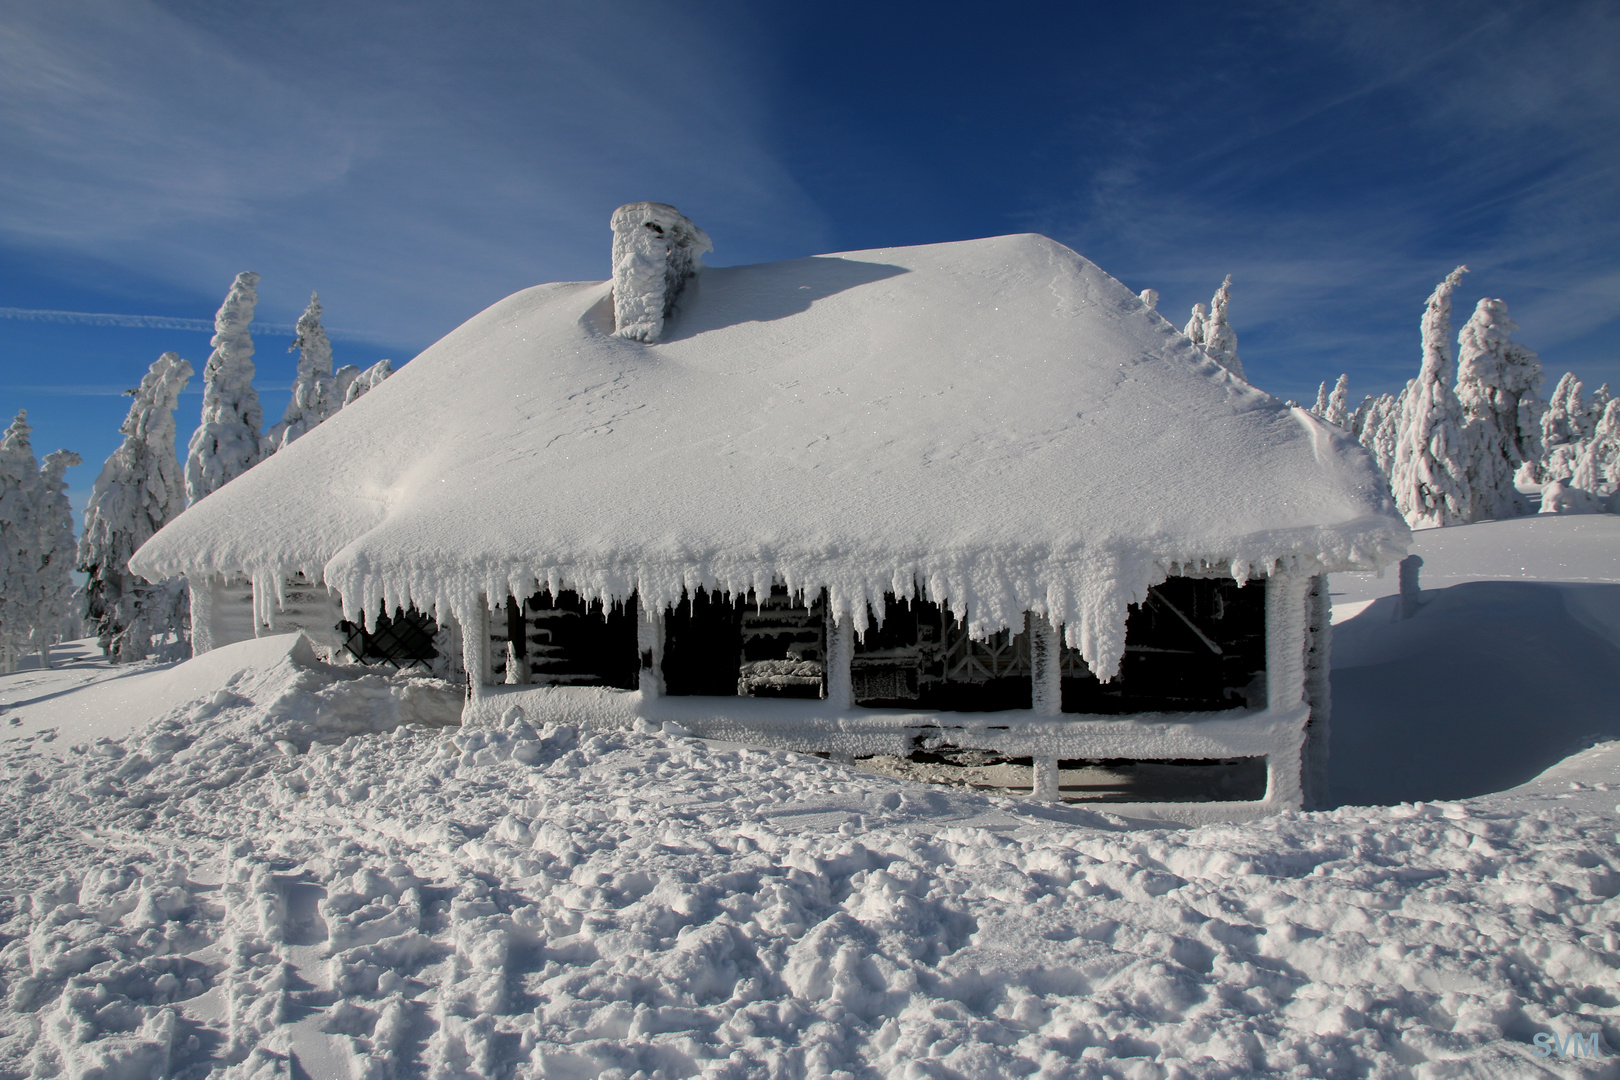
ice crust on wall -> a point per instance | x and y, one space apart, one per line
656 248
996 422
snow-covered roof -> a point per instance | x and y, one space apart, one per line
997 420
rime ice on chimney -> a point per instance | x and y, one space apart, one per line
656 249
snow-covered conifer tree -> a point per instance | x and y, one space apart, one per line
1150 297
58 551
1195 325
1380 427
1212 330
1598 470
1220 340
1338 403
1321 406
1360 416
367 380
226 445
1563 429
139 490
314 392
342 379
1499 389
1596 408
20 498
1430 478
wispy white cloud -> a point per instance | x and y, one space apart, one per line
118 117
413 168
1418 139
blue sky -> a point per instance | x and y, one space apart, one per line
417 161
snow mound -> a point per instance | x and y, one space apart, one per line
1536 548
1534 682
997 421
319 700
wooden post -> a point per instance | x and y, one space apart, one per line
517 643
840 651
1045 788
1045 663
1285 678
1285 641
1046 694
650 644
475 646
1318 694
202 613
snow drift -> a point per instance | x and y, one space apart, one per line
264 882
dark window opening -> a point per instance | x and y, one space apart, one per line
1112 780
1240 779
404 640
1195 645
565 640
923 658
784 647
718 646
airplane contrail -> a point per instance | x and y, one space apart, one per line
145 322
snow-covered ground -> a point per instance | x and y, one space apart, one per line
257 864
1510 662
1580 548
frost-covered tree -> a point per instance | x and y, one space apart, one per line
20 533
1499 389
1150 299
1430 477
1563 429
342 379
226 444
1378 427
1220 340
1362 413
140 490
1331 404
58 551
1338 403
1596 408
1321 406
1598 470
366 381
314 392
1195 325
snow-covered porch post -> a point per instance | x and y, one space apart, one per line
1046 695
474 619
201 587
1285 680
840 654
650 644
1318 691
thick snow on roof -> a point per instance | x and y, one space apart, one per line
996 420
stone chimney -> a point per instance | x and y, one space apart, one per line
656 249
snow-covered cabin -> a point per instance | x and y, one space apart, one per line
969 509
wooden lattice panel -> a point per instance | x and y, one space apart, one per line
403 640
